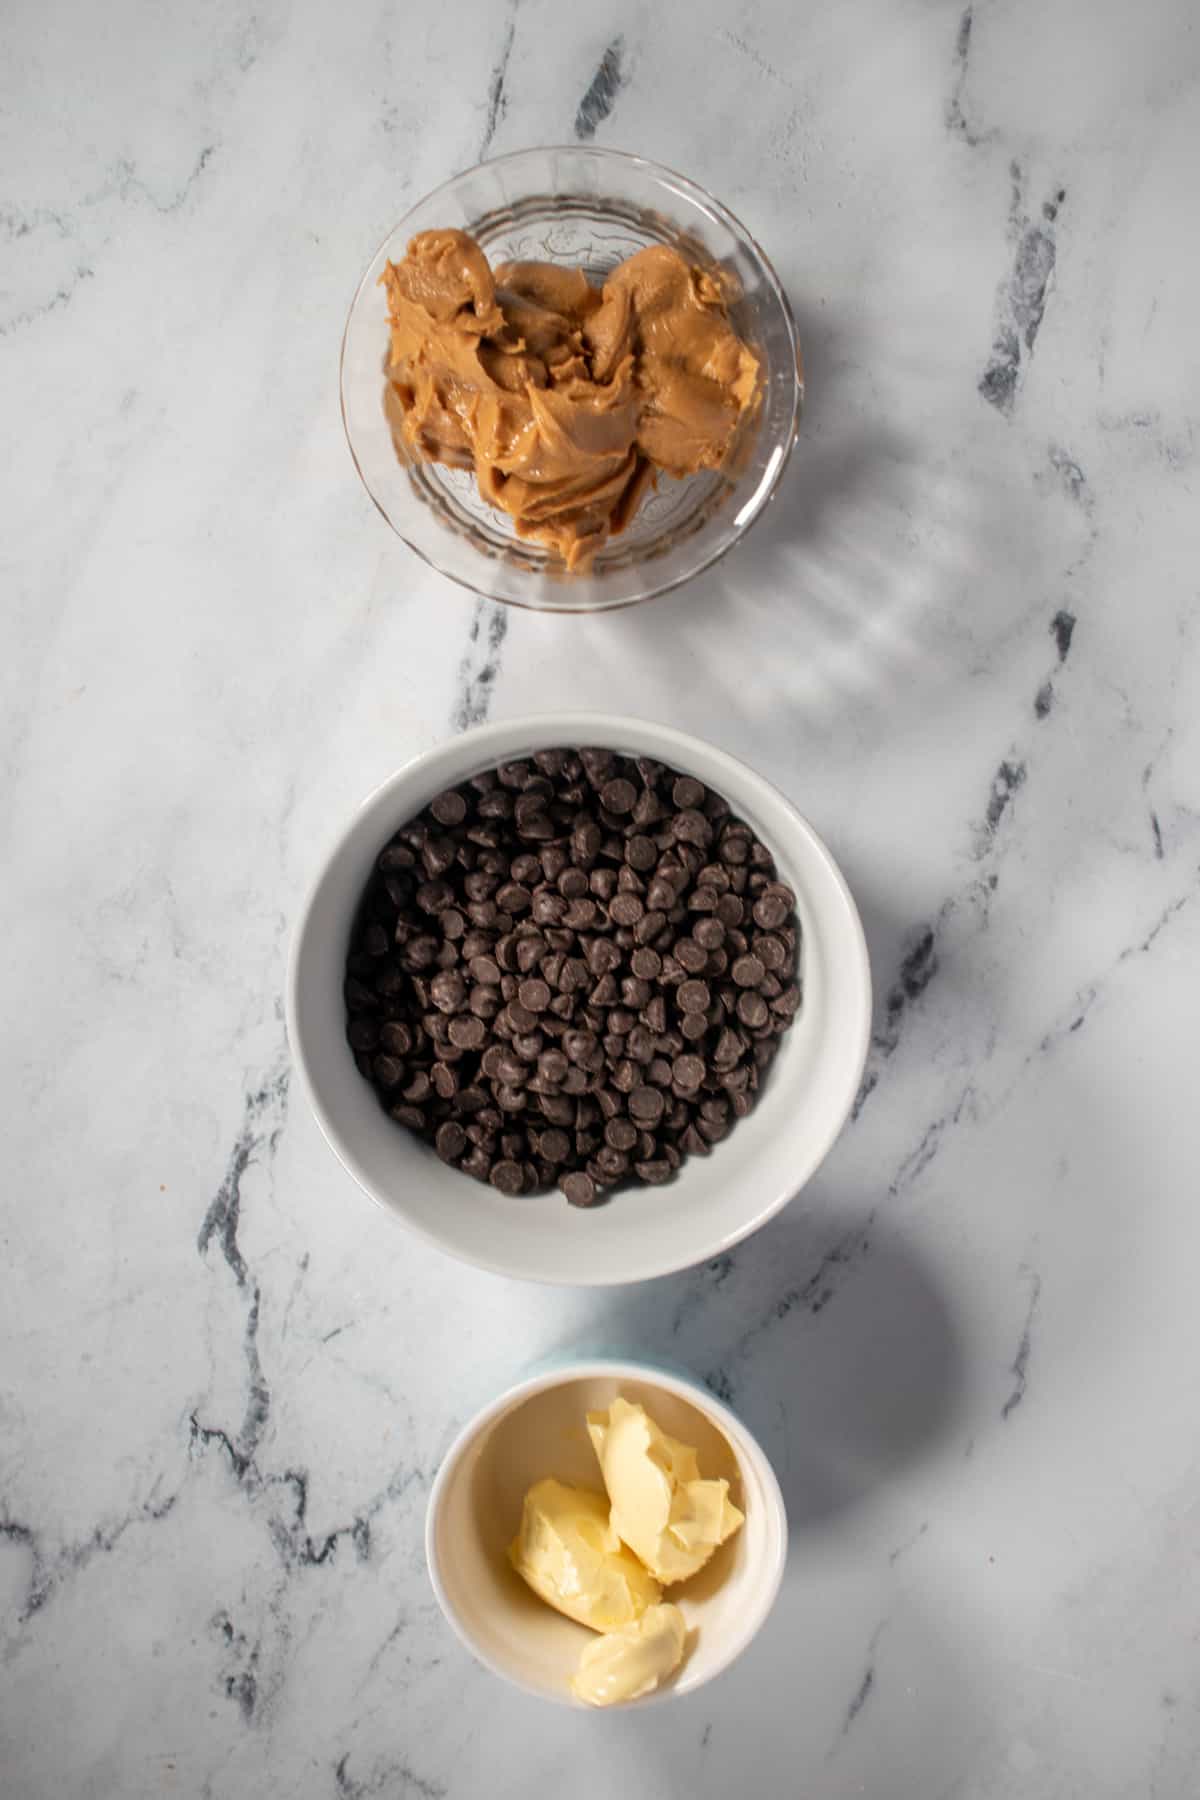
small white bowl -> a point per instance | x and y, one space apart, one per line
714 1201
537 1428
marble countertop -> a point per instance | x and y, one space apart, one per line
964 642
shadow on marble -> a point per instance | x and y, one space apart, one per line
827 1332
874 1382
881 577
878 1694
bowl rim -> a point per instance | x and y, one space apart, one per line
768 486
534 731
648 1374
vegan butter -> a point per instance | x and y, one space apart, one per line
669 1516
631 1662
601 1560
568 1552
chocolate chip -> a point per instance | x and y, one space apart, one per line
535 994
445 1081
771 952
645 964
580 914
451 1139
449 991
449 808
484 1002
773 907
747 971
688 1072
687 793
691 827
646 1104
656 1013
434 896
597 764
552 1066
626 909
507 1176
729 911
709 933
396 856
620 1134
579 1188
649 927
654 1171
618 796
605 992
528 953
693 996
752 1010
586 839
547 908
513 897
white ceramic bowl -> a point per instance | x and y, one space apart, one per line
537 1428
714 1201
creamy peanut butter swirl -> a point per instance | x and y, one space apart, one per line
565 399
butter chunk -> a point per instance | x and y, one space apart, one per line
626 1664
667 1514
568 1552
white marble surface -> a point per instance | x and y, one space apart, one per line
964 641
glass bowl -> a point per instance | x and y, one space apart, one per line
584 208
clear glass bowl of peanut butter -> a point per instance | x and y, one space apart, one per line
570 379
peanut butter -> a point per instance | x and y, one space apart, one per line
564 398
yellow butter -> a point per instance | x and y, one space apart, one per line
662 1509
625 1664
571 1557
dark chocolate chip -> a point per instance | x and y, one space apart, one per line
579 1188
747 971
646 1104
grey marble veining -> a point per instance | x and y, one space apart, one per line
963 640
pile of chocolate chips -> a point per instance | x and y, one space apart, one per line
573 969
